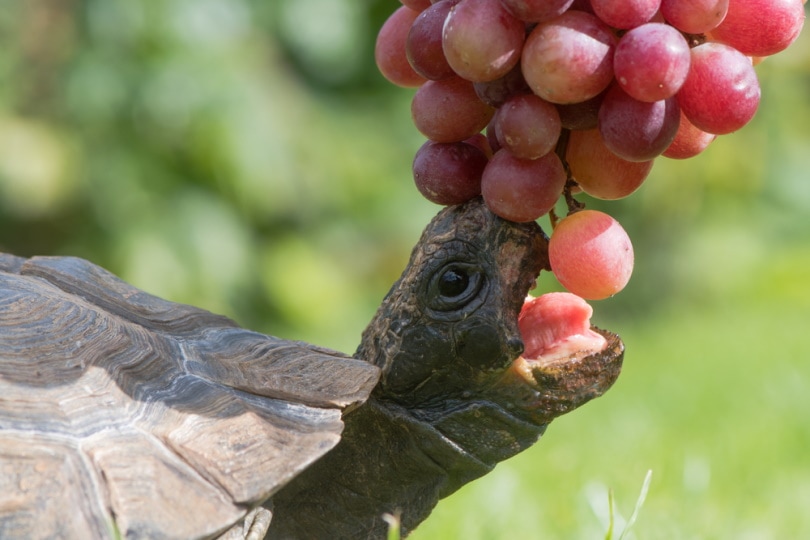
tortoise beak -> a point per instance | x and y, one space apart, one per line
566 363
546 388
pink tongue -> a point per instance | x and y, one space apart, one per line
557 325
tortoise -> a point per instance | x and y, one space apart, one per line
125 415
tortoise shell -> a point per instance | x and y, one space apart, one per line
121 413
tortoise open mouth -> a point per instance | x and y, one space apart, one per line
566 362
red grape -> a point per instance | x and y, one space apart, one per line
528 126
651 61
448 173
689 141
598 171
760 27
721 93
424 44
482 40
625 13
389 51
635 130
522 189
449 110
537 10
694 16
569 59
591 254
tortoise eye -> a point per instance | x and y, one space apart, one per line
454 287
453 282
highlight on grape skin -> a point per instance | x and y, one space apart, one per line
591 254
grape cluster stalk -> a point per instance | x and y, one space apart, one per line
523 102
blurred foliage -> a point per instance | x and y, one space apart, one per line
245 156
186 148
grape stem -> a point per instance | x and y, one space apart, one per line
570 184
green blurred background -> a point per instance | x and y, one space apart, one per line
245 156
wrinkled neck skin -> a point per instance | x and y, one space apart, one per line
445 334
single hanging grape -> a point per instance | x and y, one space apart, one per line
591 254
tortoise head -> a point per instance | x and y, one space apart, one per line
447 335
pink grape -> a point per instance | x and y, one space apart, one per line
625 14
651 62
598 171
635 130
528 126
689 141
424 43
448 173
482 40
760 27
449 110
694 16
537 10
721 93
389 51
570 58
591 254
522 189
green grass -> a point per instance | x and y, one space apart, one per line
714 398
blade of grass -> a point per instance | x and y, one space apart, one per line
393 526
642 496
611 521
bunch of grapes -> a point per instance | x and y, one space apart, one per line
574 95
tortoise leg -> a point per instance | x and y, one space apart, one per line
253 527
